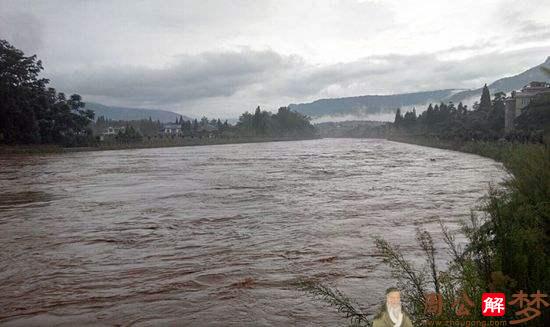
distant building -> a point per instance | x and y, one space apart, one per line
171 129
519 100
111 132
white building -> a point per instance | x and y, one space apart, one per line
171 129
111 132
519 100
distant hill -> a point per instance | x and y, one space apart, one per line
348 128
369 104
507 84
373 104
122 113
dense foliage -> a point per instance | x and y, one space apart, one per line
260 125
284 123
485 122
31 113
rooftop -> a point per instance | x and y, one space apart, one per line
532 88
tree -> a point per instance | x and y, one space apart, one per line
20 89
257 120
497 113
398 118
245 123
285 123
485 101
462 109
409 119
204 121
30 113
129 135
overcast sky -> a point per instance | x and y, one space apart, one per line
220 58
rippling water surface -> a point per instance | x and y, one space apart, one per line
214 235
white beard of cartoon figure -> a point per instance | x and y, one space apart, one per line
395 313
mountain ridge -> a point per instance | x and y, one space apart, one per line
375 104
370 104
127 113
509 83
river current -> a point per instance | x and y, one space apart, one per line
216 235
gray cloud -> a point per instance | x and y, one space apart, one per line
242 79
220 58
401 73
191 77
23 29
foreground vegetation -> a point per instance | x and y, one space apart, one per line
508 248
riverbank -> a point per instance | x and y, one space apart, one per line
51 149
497 150
30 149
516 220
507 248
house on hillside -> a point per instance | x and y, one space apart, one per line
519 100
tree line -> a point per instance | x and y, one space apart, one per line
145 127
33 113
485 122
285 123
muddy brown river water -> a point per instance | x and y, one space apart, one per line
215 235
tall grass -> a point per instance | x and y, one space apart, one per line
508 242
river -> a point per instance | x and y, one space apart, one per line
215 235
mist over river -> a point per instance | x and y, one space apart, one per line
215 235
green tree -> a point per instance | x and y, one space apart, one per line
30 113
497 113
485 101
398 118
20 90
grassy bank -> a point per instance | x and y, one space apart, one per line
30 149
508 248
44 149
497 150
